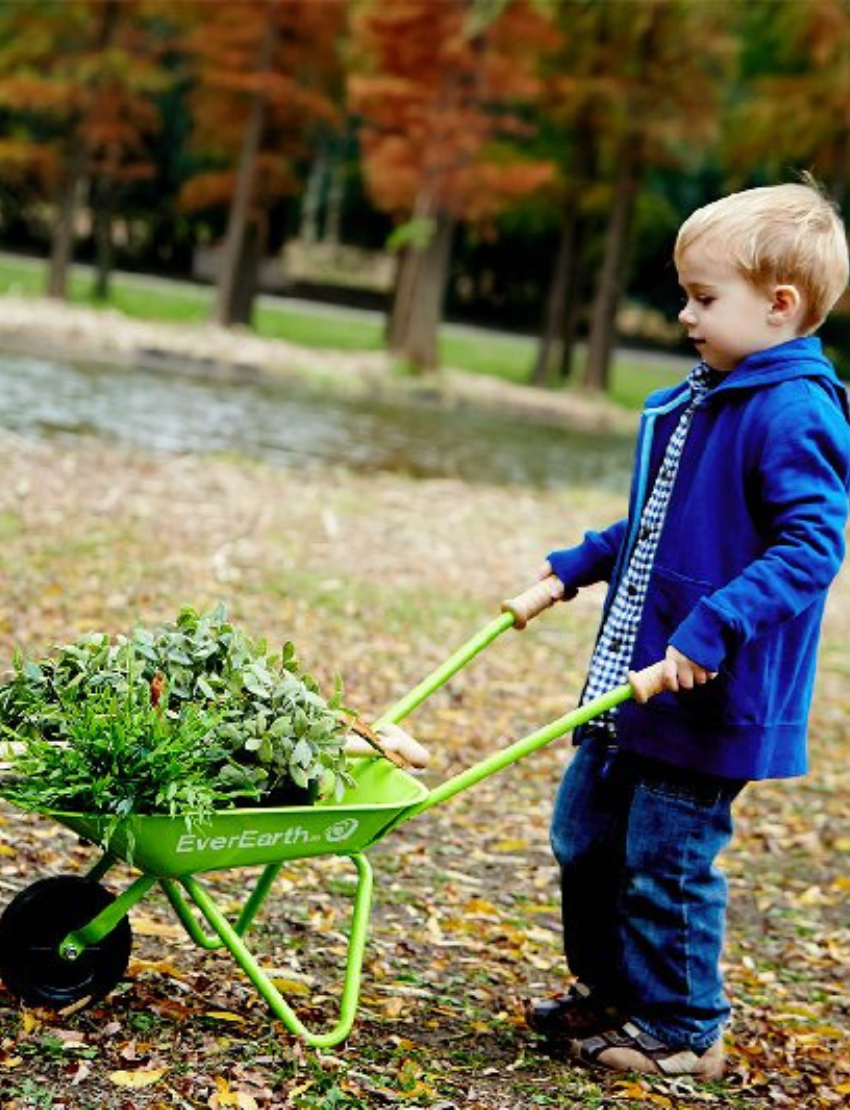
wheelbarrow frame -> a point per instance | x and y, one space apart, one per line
170 856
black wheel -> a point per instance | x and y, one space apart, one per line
33 925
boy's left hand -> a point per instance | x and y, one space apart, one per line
682 673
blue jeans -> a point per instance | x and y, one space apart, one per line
643 902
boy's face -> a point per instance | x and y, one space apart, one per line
727 317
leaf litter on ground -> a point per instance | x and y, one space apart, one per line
378 578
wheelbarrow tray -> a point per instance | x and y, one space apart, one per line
66 939
168 847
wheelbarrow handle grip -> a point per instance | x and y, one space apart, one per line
650 681
542 595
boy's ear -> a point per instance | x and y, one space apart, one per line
787 304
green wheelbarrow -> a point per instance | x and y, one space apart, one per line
65 941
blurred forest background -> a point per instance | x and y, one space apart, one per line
515 163
193 167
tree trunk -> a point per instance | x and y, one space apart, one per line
103 207
613 270
407 278
336 197
418 302
563 307
233 253
570 336
245 285
62 237
558 297
311 201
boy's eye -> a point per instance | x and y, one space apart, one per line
705 300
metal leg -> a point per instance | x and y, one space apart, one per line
77 941
183 910
106 862
281 1009
249 911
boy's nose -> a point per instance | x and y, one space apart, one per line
686 316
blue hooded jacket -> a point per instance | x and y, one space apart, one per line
752 539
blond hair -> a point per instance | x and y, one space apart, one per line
778 235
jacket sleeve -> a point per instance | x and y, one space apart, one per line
591 561
802 476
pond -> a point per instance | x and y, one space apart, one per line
295 425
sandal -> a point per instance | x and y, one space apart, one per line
576 1013
631 1049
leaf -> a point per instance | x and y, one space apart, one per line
141 1077
225 1015
291 986
205 687
635 1091
303 753
147 927
224 1096
513 844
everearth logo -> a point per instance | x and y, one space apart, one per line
248 839
342 830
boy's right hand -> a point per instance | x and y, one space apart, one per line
682 673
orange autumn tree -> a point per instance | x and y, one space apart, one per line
266 77
78 82
440 90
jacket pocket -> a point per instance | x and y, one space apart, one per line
671 598
766 681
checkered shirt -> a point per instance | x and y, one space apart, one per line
613 652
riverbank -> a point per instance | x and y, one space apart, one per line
48 328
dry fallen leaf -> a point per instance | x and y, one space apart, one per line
224 1096
141 1077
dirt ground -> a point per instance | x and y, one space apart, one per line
379 578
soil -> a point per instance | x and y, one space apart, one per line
380 578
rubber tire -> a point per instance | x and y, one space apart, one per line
34 924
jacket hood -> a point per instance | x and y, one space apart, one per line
798 358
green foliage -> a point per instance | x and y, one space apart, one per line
180 719
415 234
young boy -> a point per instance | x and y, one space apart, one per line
735 531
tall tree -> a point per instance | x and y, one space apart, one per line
440 92
791 111
81 79
672 61
630 95
266 76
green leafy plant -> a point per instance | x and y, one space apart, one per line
183 718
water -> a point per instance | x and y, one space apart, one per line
296 426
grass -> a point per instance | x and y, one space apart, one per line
477 351
439 1020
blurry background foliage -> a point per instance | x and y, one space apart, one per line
518 163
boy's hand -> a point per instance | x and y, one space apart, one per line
558 586
682 673
533 600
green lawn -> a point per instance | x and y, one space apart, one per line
502 355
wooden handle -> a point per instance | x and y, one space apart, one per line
390 741
534 600
649 682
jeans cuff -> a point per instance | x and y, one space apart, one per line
697 1043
